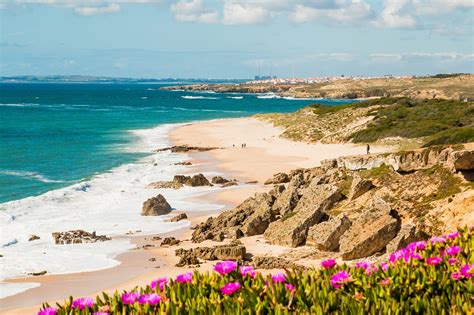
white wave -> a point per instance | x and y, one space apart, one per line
144 98
31 175
190 97
19 104
11 288
268 96
235 97
290 98
109 203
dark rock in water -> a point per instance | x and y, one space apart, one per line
252 182
371 232
183 163
33 238
264 262
228 184
194 181
156 206
170 241
152 259
40 273
77 237
219 180
233 251
179 217
186 148
156 238
326 235
164 185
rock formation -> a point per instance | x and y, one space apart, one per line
186 148
170 241
156 206
326 235
233 251
179 217
77 237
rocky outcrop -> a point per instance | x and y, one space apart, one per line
289 198
229 184
260 217
181 180
292 230
268 262
326 235
279 178
78 237
186 148
233 251
170 241
164 185
371 232
186 163
406 235
463 160
156 206
219 180
359 187
33 238
179 217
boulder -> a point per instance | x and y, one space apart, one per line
39 273
77 237
187 260
326 235
219 180
228 184
463 160
287 200
186 148
183 163
233 251
260 217
170 241
268 262
198 180
156 206
179 217
292 229
180 180
359 187
279 178
371 232
164 185
406 235
33 238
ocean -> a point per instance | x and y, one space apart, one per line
78 156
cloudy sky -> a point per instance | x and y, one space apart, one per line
229 38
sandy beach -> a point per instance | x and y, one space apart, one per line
265 154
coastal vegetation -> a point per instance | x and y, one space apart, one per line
424 122
433 276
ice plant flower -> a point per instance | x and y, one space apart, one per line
185 277
415 246
225 267
82 303
289 287
129 298
453 235
328 264
385 281
437 239
453 250
384 266
48 311
452 261
338 279
433 261
247 270
230 288
160 283
467 271
278 278
456 275
101 313
150 299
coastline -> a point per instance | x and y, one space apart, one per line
265 155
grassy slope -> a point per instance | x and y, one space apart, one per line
432 121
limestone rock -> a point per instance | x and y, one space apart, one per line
286 201
359 187
194 181
179 217
228 184
268 262
170 241
186 148
260 217
183 163
156 206
371 232
219 180
463 160
233 251
326 235
278 178
33 238
292 230
164 185
77 237
406 235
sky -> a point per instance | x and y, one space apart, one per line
231 38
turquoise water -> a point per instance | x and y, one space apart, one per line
53 135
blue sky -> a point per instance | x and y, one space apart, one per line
229 38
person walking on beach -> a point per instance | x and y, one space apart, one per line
368 149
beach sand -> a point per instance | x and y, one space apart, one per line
264 155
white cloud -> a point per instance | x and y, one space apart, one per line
340 11
109 8
240 13
193 11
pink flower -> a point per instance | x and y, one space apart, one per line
453 235
150 299
225 267
328 264
384 266
433 261
452 261
363 264
467 271
101 313
82 303
438 239
230 288
289 287
247 270
456 275
160 283
385 281
48 311
415 246
185 277
129 298
338 279
453 250
278 278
